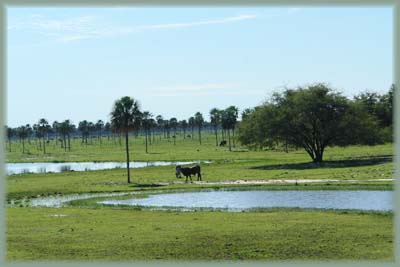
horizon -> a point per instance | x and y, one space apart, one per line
178 61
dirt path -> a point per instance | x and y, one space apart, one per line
285 181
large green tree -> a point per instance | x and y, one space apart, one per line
126 117
311 117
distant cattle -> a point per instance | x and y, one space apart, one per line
223 143
188 172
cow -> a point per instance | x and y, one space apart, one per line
223 143
188 172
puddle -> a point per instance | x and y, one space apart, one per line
44 167
244 200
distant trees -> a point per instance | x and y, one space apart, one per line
311 117
146 123
10 134
126 116
198 121
215 118
173 122
43 128
65 128
183 124
192 124
22 133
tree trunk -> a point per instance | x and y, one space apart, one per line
146 140
23 146
229 140
216 136
200 135
127 157
44 146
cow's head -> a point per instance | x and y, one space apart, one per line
178 171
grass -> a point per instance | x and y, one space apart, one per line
89 232
119 234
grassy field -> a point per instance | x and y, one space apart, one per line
85 231
118 234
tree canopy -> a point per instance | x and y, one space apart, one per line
312 118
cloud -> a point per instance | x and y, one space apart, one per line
87 27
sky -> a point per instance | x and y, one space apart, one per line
73 63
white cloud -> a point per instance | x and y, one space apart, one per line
86 27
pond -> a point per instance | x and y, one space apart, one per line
244 200
43 167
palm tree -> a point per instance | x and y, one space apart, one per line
22 133
146 117
183 124
10 134
173 122
192 124
233 113
43 128
198 120
160 121
125 116
228 121
66 128
215 116
99 127
83 127
55 126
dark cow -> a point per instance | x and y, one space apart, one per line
223 143
188 172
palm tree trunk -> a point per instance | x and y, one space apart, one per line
127 157
146 140
233 136
216 136
23 146
229 138
200 135
44 146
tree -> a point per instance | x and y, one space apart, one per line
192 124
22 133
173 122
10 134
66 128
215 117
126 117
160 124
183 124
198 121
99 127
83 127
146 122
43 129
313 118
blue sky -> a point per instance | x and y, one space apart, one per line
73 63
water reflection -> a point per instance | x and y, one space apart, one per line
242 200
44 167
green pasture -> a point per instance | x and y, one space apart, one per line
183 150
119 234
88 232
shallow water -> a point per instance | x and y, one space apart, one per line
43 167
244 200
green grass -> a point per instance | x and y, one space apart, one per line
187 149
118 234
89 232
